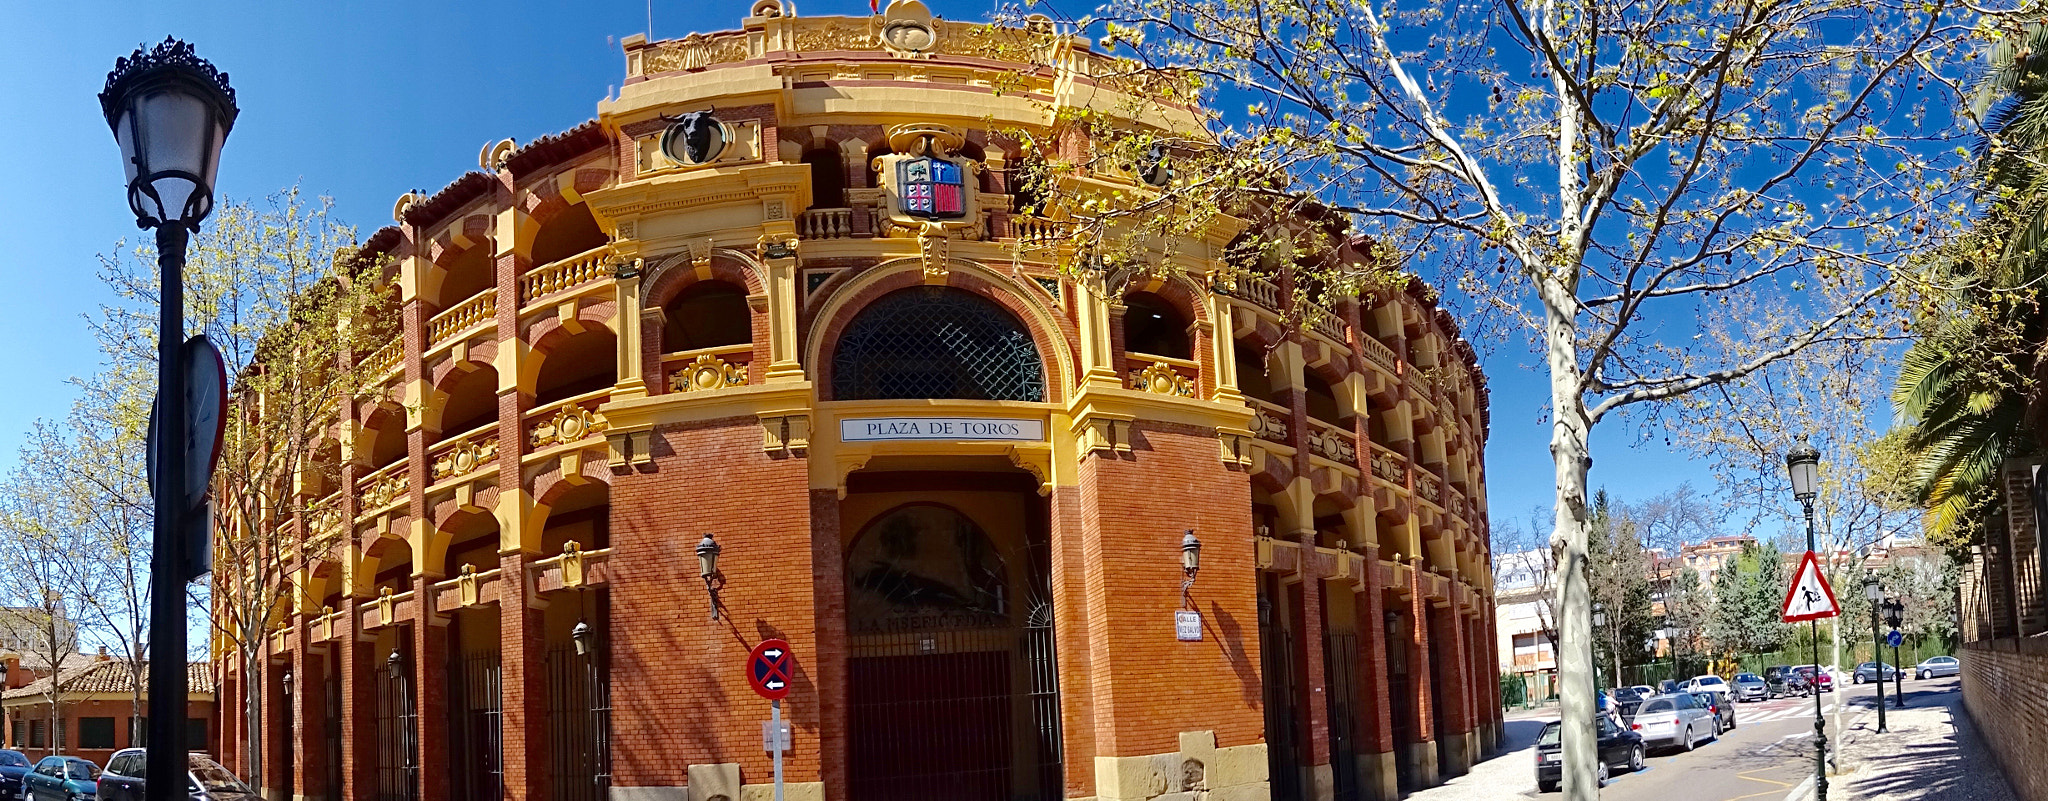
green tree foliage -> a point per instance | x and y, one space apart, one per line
1618 572
1965 383
1749 593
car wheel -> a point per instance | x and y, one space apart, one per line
1923 675
1546 787
1602 782
1635 758
1859 678
1685 737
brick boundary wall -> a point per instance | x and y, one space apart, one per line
2005 682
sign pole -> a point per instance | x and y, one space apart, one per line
775 719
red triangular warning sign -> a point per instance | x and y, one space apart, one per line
1809 597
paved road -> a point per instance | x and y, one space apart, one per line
1769 752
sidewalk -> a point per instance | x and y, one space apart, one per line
1931 750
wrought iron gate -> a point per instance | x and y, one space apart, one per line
953 681
579 723
1401 698
1276 665
398 752
477 726
1340 669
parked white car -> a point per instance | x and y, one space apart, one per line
1678 720
1707 684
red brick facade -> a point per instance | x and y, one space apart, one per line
607 356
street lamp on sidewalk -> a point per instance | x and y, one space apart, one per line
171 112
1875 594
1803 463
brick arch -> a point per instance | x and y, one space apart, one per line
446 517
1177 289
1274 476
379 420
671 277
484 354
553 482
377 550
1050 331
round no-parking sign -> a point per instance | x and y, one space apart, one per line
769 669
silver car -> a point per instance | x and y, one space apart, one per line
1678 720
1937 666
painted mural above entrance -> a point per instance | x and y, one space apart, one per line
888 429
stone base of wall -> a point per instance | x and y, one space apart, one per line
1423 765
1199 770
1377 777
2005 688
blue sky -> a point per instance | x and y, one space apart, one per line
362 101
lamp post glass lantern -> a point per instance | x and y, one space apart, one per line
170 112
707 567
1803 464
1190 564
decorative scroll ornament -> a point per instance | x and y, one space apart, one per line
932 249
171 53
1266 426
926 183
385 607
1333 446
1163 379
570 424
386 489
572 564
707 372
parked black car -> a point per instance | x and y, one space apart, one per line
1781 681
1626 699
1619 748
207 780
61 778
13 766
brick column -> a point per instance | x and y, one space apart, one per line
1448 624
275 729
523 690
358 708
429 665
309 672
1315 677
1420 682
1375 702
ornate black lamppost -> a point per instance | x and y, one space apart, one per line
1803 462
171 112
1875 594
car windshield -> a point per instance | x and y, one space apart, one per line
1746 677
13 759
1549 735
1627 694
215 778
1710 680
1655 705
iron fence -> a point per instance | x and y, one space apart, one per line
398 752
579 722
477 723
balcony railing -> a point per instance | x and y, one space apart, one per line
706 368
1260 291
568 273
1377 351
1037 229
1323 321
1332 443
386 360
825 224
480 308
572 420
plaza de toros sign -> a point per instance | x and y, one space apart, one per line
883 429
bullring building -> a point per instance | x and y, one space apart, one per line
771 349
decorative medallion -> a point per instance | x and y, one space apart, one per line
707 372
908 29
930 188
1266 426
465 456
570 424
1163 379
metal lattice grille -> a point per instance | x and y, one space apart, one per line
476 721
936 342
398 754
579 722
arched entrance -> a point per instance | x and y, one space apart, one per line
953 686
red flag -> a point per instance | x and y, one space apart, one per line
875 6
